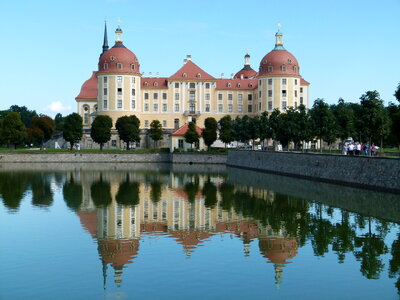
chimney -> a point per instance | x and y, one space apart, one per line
185 61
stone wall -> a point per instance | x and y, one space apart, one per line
191 158
368 172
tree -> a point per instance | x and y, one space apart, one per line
265 128
374 117
210 194
274 122
128 193
155 131
26 114
44 129
344 119
323 121
12 130
305 126
397 93
128 129
101 192
394 115
225 130
72 193
210 131
241 129
59 121
72 129
191 136
254 129
101 130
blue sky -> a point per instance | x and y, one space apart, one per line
49 48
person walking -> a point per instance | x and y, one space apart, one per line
351 149
373 149
358 149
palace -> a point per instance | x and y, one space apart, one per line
118 88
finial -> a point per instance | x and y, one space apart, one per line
279 26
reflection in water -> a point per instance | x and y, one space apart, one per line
118 208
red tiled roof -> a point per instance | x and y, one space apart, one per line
89 88
192 71
88 221
182 130
277 58
236 84
303 81
245 73
115 55
278 250
118 252
154 83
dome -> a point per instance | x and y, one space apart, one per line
89 88
246 73
119 59
279 62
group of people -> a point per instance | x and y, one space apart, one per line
359 149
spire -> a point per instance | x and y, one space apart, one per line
279 39
105 42
104 274
247 60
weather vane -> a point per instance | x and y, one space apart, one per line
279 26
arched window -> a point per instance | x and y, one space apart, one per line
270 69
155 83
198 75
86 112
289 61
132 67
250 85
105 66
295 69
238 85
184 75
145 83
284 68
229 84
119 66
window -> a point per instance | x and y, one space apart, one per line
207 107
240 108
155 84
230 97
284 81
207 96
146 123
229 85
164 96
132 67
146 107
119 103
259 82
180 144
133 80
301 90
249 108
295 82
220 108
176 107
192 108
259 94
259 106
119 78
105 91
295 104
240 97
164 123
198 75
295 69
249 97
176 123
207 85
289 61
284 68
269 93
270 81
192 95
184 75
301 100
119 66
133 104
176 96
284 104
105 80
295 93
164 107
269 105
270 69
119 91
146 96
230 108
155 96
105 66
192 85
105 103
155 106
283 93
145 83
177 85
114 143
219 96
86 115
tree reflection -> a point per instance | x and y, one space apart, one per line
156 190
128 193
343 240
394 263
191 188
101 194
210 194
227 192
42 195
12 189
72 192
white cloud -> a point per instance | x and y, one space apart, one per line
57 107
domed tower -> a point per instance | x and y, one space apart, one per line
247 72
118 80
279 82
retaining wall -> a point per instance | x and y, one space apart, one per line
190 158
367 172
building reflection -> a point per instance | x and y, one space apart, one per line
186 208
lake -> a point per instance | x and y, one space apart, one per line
147 231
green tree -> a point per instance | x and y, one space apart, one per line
72 129
323 121
128 193
191 136
374 117
344 119
304 126
156 191
210 131
44 129
254 129
241 129
59 121
12 130
394 115
72 193
274 122
42 194
397 93
155 131
286 129
128 129
26 114
101 192
265 128
225 130
210 194
101 130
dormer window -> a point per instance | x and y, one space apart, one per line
112 58
250 85
270 69
284 68
155 83
132 67
264 61
119 66
289 61
229 85
145 83
238 85
295 68
105 66
198 75
184 75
